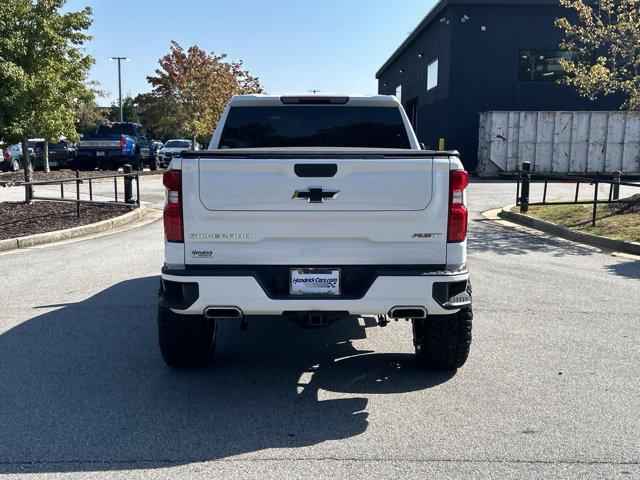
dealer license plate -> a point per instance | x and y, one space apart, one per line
99 154
315 281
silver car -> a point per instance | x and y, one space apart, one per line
173 148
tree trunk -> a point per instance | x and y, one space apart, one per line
46 157
193 144
28 172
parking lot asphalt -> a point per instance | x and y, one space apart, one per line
550 389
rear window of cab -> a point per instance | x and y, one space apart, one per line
314 126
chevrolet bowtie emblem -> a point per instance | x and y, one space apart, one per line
315 194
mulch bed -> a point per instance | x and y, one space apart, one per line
63 174
18 219
630 207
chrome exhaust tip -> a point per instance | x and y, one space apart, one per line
223 312
409 313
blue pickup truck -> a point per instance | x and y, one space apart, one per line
114 145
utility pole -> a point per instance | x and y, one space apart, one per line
119 59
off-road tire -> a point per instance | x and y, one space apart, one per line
15 166
186 341
442 342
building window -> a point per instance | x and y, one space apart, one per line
399 93
432 74
541 65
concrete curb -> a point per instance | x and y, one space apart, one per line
58 235
569 234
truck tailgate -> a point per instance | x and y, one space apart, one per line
241 184
302 208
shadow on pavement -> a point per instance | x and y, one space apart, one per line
84 388
628 269
486 236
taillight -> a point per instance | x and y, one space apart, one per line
458 214
7 155
123 143
172 180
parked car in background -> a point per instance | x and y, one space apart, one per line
115 144
61 155
173 148
12 159
157 147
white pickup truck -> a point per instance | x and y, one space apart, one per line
315 208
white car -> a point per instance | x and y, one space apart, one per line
173 148
315 208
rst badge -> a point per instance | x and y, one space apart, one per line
425 235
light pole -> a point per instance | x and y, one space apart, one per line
119 59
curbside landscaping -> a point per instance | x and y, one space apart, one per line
607 243
75 232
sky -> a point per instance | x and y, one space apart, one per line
293 46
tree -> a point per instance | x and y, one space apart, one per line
129 112
42 70
604 39
190 91
159 117
88 114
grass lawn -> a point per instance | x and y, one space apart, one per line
613 221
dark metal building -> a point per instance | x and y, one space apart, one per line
470 56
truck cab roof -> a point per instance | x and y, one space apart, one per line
314 99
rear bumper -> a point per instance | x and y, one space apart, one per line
66 162
191 292
110 154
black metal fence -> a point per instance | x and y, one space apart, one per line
128 198
525 177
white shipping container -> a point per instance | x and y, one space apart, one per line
559 142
